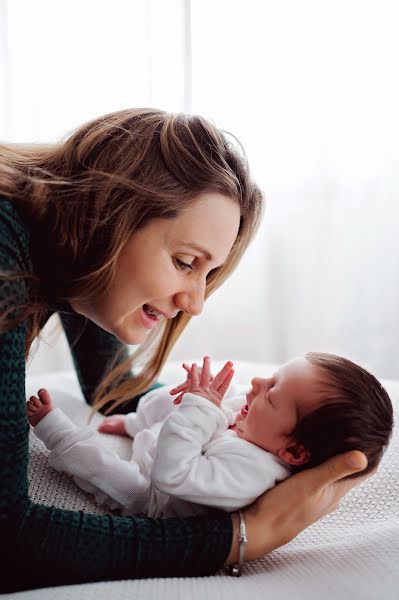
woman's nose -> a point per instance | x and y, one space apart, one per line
191 300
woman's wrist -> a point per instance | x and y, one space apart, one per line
234 550
259 537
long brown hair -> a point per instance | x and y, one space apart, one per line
84 197
356 414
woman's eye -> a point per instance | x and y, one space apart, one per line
182 266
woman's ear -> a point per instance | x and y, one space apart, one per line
294 453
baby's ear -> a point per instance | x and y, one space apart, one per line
294 453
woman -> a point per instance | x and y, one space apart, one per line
124 229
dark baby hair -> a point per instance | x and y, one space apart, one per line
356 414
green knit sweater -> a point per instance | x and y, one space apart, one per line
47 546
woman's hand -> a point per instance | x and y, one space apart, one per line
202 383
284 511
114 424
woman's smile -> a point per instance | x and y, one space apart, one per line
152 315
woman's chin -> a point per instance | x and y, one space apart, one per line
132 336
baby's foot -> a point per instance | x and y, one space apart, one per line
38 407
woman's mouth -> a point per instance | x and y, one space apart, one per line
150 316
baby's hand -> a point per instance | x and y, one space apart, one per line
182 388
204 385
113 424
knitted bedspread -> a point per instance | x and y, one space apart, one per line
352 553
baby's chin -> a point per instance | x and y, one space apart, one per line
239 431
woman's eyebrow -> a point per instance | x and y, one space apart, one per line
197 248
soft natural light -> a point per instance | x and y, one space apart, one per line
311 90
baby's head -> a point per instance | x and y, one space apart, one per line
315 407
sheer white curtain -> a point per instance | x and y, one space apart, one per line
65 62
310 88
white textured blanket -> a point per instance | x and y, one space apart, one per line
350 554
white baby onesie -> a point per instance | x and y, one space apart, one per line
184 458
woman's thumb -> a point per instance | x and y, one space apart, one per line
342 465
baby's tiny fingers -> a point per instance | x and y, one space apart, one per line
225 384
206 371
178 399
194 375
221 376
178 388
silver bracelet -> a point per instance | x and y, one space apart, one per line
236 570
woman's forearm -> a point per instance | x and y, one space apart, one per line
58 547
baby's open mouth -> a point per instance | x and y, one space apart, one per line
244 410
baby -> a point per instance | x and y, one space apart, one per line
199 452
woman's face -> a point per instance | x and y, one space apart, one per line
163 268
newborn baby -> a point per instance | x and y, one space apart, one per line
210 448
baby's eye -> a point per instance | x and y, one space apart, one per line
181 265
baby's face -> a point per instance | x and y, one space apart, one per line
275 405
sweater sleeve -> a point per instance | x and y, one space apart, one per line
46 546
93 351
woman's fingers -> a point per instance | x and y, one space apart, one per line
342 465
336 471
327 483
